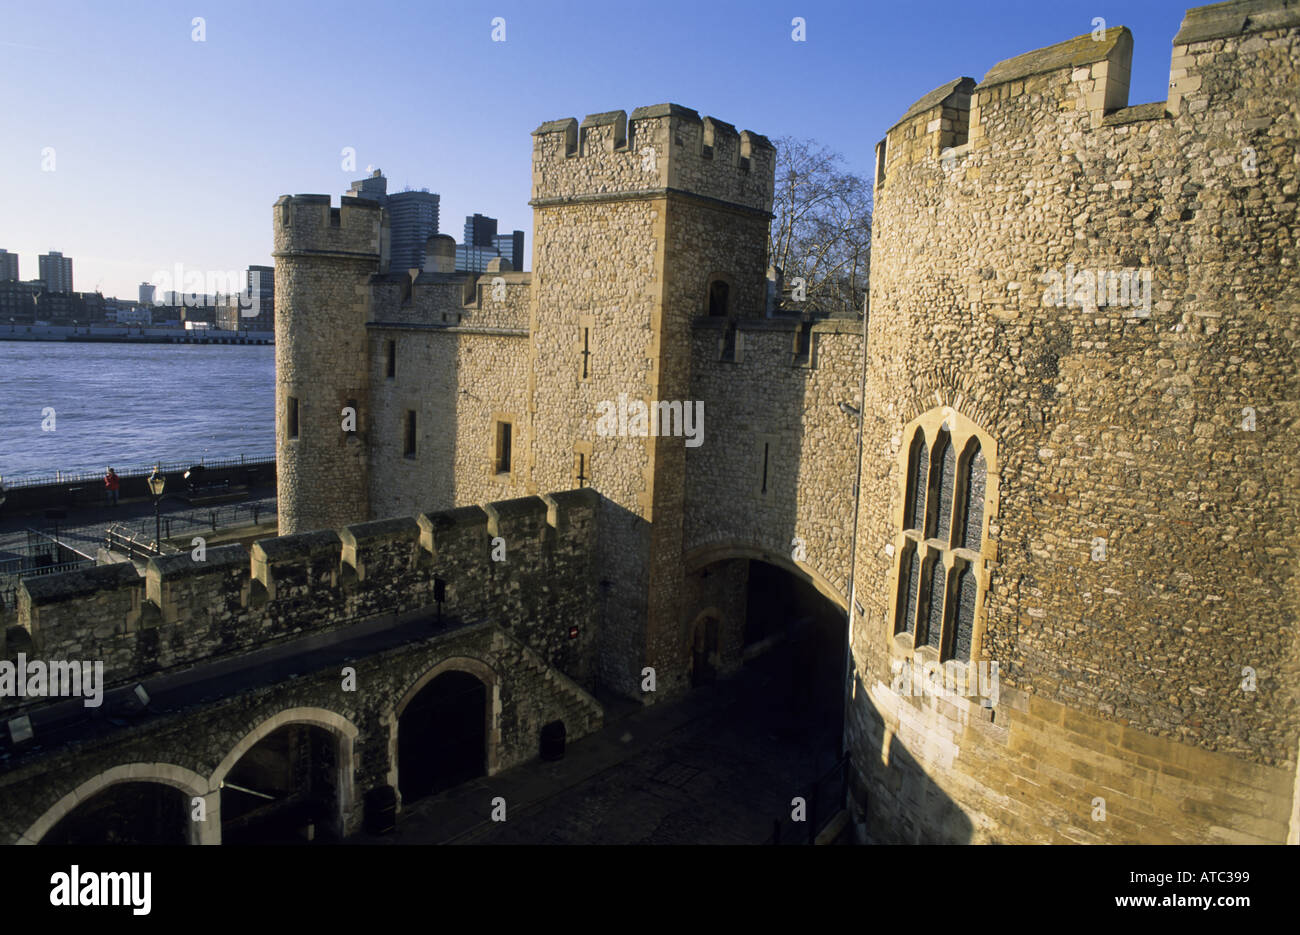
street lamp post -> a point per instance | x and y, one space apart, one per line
156 483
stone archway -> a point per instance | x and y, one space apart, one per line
188 781
781 617
490 700
710 553
344 733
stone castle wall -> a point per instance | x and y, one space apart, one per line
185 612
661 147
1165 437
768 398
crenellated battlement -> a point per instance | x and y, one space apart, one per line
182 612
666 146
308 224
493 299
1045 99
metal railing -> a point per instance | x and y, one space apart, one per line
141 532
12 572
41 552
10 569
121 538
214 518
83 477
823 798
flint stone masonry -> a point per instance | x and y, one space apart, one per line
184 613
1121 678
763 399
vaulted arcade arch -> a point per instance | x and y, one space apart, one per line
187 781
445 728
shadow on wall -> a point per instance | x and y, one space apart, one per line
892 800
622 589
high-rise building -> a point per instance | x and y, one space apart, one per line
146 293
480 246
56 271
259 286
413 218
8 266
236 312
511 246
480 230
373 187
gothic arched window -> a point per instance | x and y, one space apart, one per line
908 581
931 631
971 514
943 476
946 484
917 474
962 625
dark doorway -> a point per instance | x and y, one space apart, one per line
284 790
704 652
441 736
553 735
812 633
126 813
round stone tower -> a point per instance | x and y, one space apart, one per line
324 257
1073 538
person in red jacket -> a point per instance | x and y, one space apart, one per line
111 484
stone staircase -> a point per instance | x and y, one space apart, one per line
567 700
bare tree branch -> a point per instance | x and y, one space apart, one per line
821 232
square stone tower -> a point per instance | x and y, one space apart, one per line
641 224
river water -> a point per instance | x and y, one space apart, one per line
130 405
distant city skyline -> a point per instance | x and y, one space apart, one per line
183 161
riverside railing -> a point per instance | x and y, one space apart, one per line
167 467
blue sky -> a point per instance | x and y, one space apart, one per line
172 151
